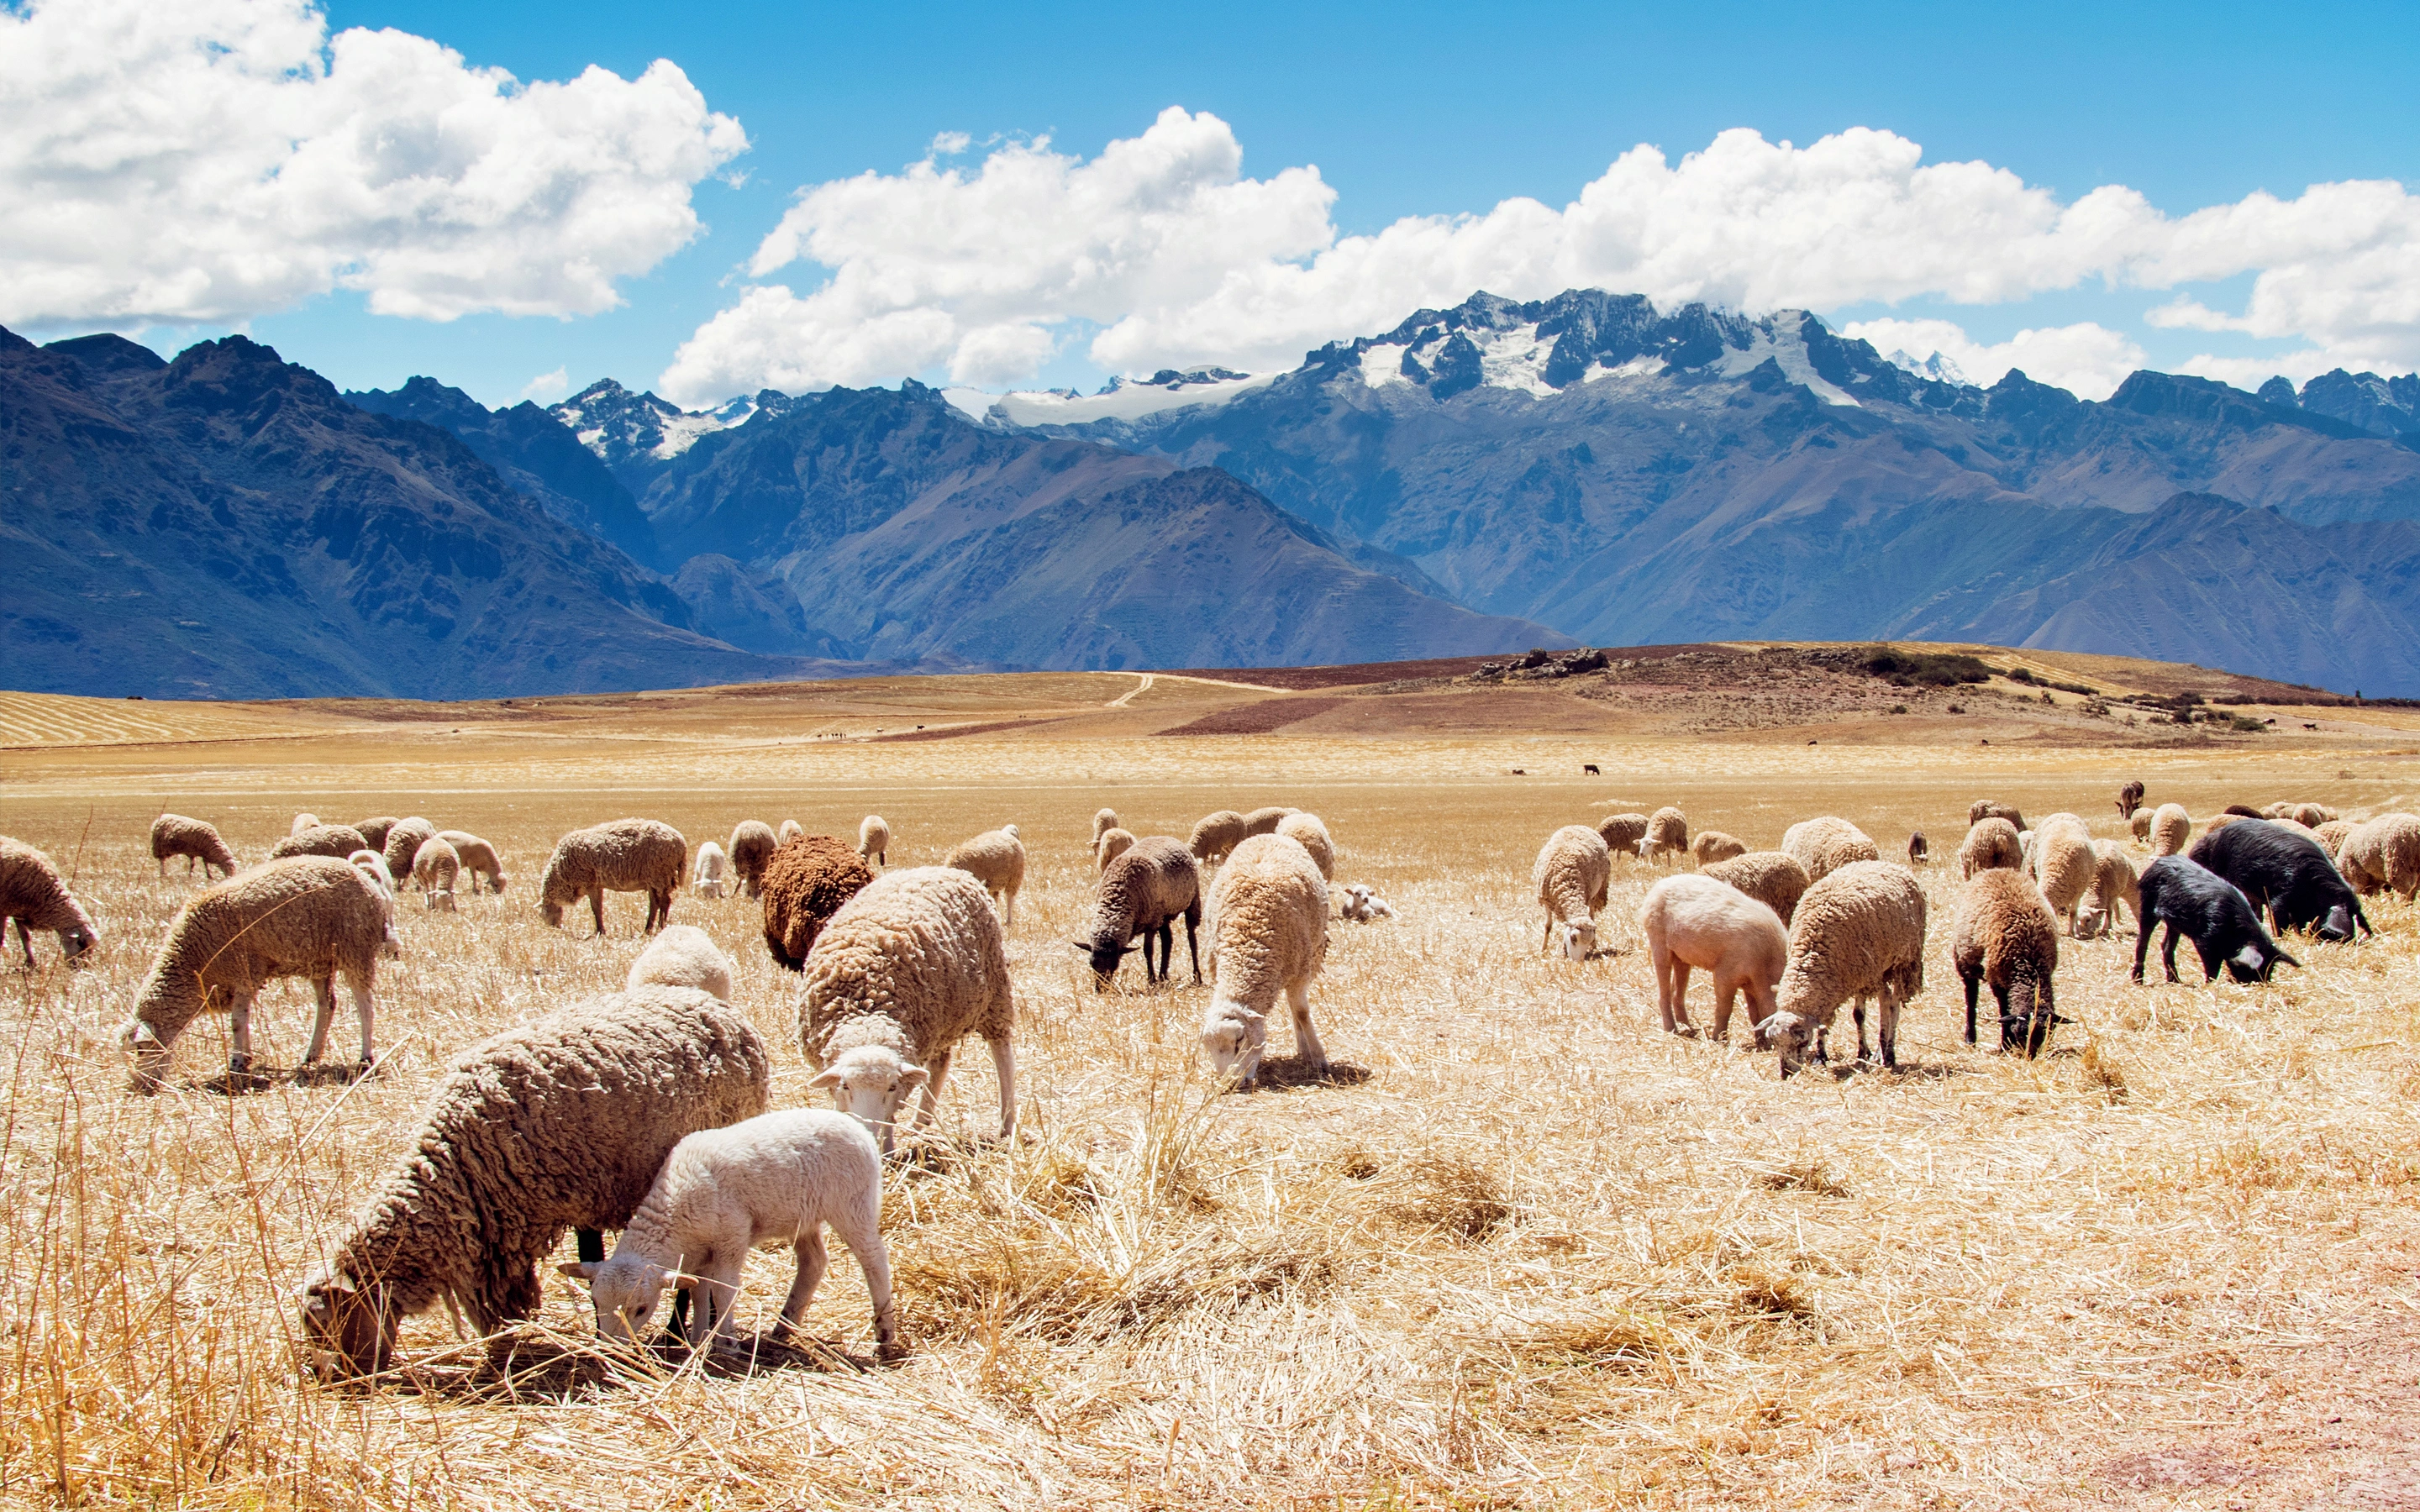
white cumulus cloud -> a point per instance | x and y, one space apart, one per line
545 386
212 161
2086 360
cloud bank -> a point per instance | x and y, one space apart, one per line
212 161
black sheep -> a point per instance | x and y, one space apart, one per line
2193 900
2282 869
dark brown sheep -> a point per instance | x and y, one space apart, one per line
805 883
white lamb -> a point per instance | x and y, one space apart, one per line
1694 920
712 868
1571 874
1362 905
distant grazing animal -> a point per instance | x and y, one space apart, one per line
791 829
2129 798
1668 834
2005 937
873 839
2243 811
1215 835
751 846
1112 844
374 831
1711 845
2279 867
621 856
1269 935
707 877
338 841
1571 874
1265 820
195 839
1694 920
34 894
1859 934
1142 894
2115 881
995 859
1103 820
1770 877
1982 808
1622 832
1309 831
2140 826
682 955
403 844
478 857
1919 852
2064 864
805 885
2213 911
1588 769
435 868
301 823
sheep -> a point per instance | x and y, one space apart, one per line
913 963
707 875
2331 836
1711 845
2279 867
2308 815
791 829
1571 874
2139 826
995 859
1269 935
2006 935
2064 863
1112 844
1859 934
173 834
1919 851
2129 798
338 841
1265 820
1982 808
307 915
370 864
2383 853
805 883
751 846
1103 821
434 869
1713 926
2026 853
1825 844
1770 877
1143 893
621 856
560 1123
682 955
2170 825
403 842
1622 832
34 894
2113 882
1215 835
873 839
2191 899
1307 831
1362 905
374 831
776 1179
1668 834
301 823
478 857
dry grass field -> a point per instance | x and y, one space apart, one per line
1520 1248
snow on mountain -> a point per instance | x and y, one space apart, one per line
1119 400
1939 367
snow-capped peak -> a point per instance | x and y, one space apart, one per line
1120 398
1939 367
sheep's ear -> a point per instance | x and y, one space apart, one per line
2281 958
576 1270
680 1280
912 1078
829 1077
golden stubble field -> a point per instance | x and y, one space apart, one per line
1522 1249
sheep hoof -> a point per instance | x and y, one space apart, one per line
238 1065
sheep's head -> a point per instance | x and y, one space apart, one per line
625 1291
1234 1036
2089 923
870 1084
2337 928
498 881
151 1054
2255 961
350 1328
76 940
1107 953
551 913
1578 939
1798 1039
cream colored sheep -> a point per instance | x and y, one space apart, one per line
791 829
1825 844
2064 864
2384 852
1215 835
1859 934
301 823
339 840
1103 820
1268 935
434 869
1770 877
1306 830
2332 835
873 839
2138 823
707 873
1991 844
751 846
1622 833
2171 828
1265 820
2113 882
1694 920
621 856
478 857
682 955
1572 873
1112 844
1668 834
995 859
370 864
403 842
1711 845
34 894
173 834
1982 808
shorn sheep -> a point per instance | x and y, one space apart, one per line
478 857
622 856
682 955
913 963
1269 935
1770 877
2383 853
995 859
873 839
805 883
1622 832
1711 845
751 846
1307 831
1991 843
338 841
1215 835
2115 881
1823 845
1982 808
434 869
1697 921
2005 937
1112 844
2064 862
561 1123
307 915
2170 827
2192 901
1144 892
173 834
1859 934
1571 874
1668 834
34 894
403 844
706 873
2279 867
776 1179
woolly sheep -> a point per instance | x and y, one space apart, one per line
1103 820
995 859
1668 834
873 839
1622 832
2213 911
776 1179
805 883
682 955
434 869
1919 851
374 831
2384 852
1823 845
1307 831
1711 845
173 834
2005 935
1215 835
1112 844
1697 921
791 829
371 865
32 893
2243 810
751 846
1770 877
621 856
2113 882
1269 935
1571 874
1859 934
1265 820
403 842
301 823
913 963
1362 905
2139 826
2129 798
706 874
2170 825
339 840
478 857
2331 836
2064 862
1143 893
307 915
2279 867
560 1123
1982 808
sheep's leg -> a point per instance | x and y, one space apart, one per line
240 1027
1167 948
1192 945
2168 953
1306 1038
1003 1061
861 1231
1974 991
811 1261
719 1289
1547 942
937 1071
1678 1016
1887 1028
323 993
1858 1014
1726 993
364 1007
24 937
1008 914
597 906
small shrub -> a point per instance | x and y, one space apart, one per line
1929 669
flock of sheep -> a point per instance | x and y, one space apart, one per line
645 1110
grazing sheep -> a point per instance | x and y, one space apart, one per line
434 869
621 856
2191 899
995 859
1215 835
374 831
2384 852
1711 845
1825 844
2139 826
302 821
1269 935
913 963
2064 863
2331 836
1307 831
2129 798
173 834
1770 877
1103 821
338 841
1571 874
403 842
1982 808
1622 832
873 839
1713 926
2312 815
1362 905
1265 820
791 829
706 874
2170 825
307 915
1919 851
478 857
776 1179
2006 935
2026 853
682 955
370 864
2243 810
1143 893
34 894
560 1123
805 883
1859 934
1668 834
2279 867
751 846
2113 882
1112 844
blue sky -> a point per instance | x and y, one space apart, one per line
1410 109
